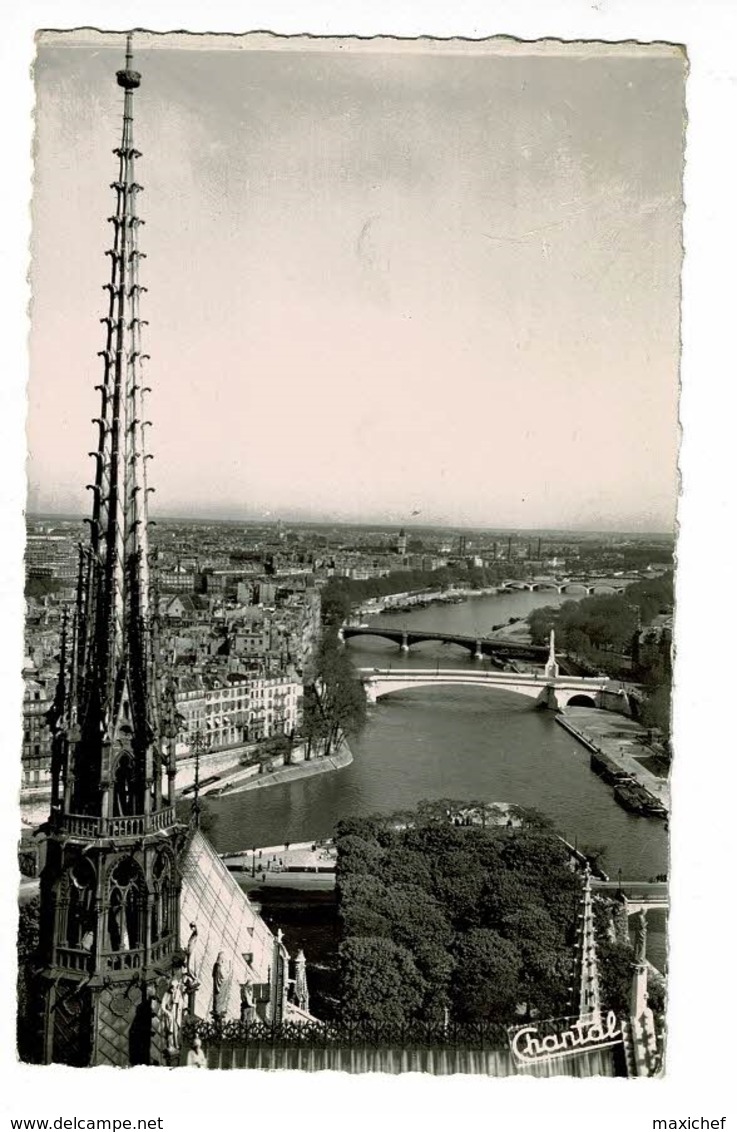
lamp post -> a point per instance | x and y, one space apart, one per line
197 743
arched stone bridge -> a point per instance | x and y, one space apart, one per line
556 693
568 586
477 646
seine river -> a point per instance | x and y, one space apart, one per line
463 743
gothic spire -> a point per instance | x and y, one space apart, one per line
586 1000
115 755
110 887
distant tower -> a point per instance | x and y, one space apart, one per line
110 886
402 542
462 545
552 668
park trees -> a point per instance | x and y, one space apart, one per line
408 916
334 707
314 722
487 914
602 622
380 981
335 604
341 698
359 855
486 979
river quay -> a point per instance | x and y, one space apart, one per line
248 778
419 599
306 865
619 748
231 779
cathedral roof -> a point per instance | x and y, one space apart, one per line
226 922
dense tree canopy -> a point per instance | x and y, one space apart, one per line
334 706
487 975
603 621
340 701
487 915
380 981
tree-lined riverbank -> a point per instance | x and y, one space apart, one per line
458 742
320 764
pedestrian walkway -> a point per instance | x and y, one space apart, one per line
307 864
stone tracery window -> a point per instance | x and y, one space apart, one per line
161 908
125 916
123 793
80 919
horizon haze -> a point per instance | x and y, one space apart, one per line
383 278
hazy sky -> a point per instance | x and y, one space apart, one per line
380 281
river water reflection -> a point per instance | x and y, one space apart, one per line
463 743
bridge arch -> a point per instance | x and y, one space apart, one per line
412 637
348 633
556 694
380 689
581 699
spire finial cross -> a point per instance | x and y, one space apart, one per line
128 78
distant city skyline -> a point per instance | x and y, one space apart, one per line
381 282
410 526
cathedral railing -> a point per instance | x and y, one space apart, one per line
161 950
74 959
132 960
136 825
79 825
162 818
472 1035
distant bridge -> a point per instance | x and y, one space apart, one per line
556 693
477 646
568 585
